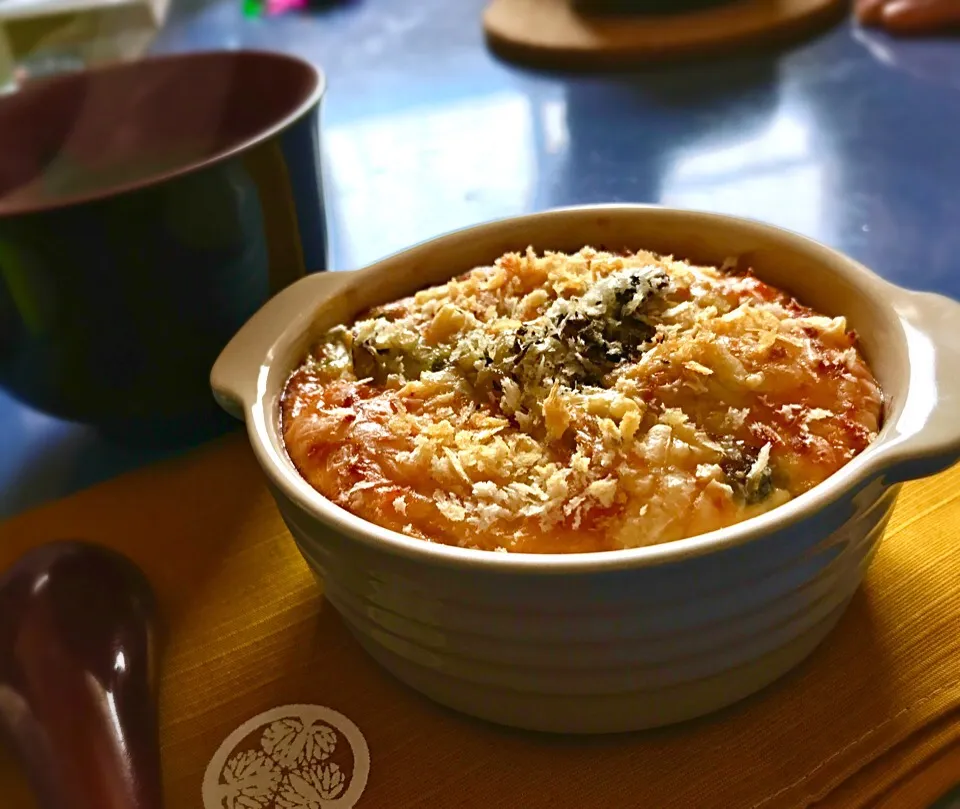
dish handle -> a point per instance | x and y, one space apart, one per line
926 437
235 373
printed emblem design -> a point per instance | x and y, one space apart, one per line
291 757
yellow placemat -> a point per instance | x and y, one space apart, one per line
872 719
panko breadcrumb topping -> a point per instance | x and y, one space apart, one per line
571 403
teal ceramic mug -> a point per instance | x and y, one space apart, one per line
147 210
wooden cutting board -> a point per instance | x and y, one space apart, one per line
553 34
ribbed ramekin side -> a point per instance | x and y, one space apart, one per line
617 648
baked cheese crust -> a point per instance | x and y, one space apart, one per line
568 403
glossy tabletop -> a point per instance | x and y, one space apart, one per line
851 138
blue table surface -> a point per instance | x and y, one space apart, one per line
851 138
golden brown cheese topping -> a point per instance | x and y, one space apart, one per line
571 403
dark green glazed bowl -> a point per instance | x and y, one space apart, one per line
147 210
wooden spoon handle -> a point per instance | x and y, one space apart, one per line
77 677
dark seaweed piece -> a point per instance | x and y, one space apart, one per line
365 364
736 466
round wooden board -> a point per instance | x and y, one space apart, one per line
551 34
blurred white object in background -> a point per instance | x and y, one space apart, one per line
40 37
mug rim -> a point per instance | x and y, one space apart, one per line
36 206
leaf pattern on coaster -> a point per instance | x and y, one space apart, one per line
305 757
251 781
291 742
312 788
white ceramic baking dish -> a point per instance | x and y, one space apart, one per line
628 639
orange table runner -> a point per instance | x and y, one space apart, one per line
260 677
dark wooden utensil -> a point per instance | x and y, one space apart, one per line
77 684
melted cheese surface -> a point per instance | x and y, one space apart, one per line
571 403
